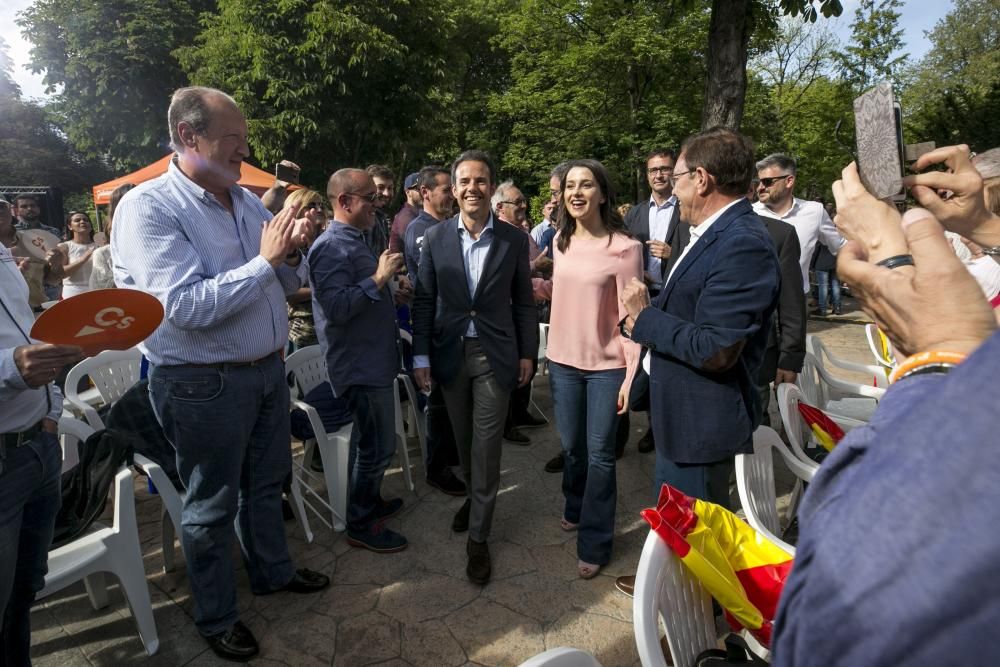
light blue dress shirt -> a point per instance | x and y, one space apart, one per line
20 407
223 302
659 224
474 253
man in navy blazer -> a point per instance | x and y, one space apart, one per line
707 330
475 331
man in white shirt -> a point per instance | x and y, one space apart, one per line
776 182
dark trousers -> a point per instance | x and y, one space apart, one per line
374 413
520 400
442 452
29 500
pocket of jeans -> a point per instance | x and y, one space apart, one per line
196 389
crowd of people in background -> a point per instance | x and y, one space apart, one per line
690 305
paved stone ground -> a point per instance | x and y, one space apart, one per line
415 607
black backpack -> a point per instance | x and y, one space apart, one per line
85 487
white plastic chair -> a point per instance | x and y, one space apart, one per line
755 483
308 368
799 434
562 657
115 550
815 346
836 396
113 373
665 591
881 350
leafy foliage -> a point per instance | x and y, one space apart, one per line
875 37
110 68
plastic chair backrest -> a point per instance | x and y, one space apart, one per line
810 383
308 366
755 484
796 429
880 346
665 590
113 373
816 347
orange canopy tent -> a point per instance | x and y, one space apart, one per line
253 179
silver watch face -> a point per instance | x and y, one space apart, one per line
992 252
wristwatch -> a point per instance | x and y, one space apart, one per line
992 251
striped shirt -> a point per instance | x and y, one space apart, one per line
223 302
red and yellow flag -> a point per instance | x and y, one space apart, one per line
741 569
827 432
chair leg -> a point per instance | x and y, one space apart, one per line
97 590
167 539
401 448
132 577
335 453
298 508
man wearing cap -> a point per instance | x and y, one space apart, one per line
221 267
411 209
30 457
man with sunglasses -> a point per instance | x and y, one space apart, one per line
775 186
358 332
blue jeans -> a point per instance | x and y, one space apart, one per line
707 481
827 280
587 420
374 412
30 496
230 429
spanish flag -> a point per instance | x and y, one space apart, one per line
827 433
741 569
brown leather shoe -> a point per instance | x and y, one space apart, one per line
626 585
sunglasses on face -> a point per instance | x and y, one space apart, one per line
770 180
371 197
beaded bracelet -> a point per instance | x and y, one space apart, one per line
932 361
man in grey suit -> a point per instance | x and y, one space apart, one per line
475 331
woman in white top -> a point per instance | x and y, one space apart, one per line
103 272
77 254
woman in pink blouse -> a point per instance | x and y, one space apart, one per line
590 364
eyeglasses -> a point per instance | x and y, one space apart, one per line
770 180
666 171
371 197
673 177
516 202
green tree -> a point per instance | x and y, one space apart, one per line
875 38
110 68
605 79
32 149
953 92
332 83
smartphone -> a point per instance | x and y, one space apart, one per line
878 122
287 174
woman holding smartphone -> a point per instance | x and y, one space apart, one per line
590 364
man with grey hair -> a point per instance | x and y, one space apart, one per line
221 267
775 186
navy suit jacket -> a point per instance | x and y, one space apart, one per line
637 222
502 308
723 293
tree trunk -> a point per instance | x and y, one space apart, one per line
726 83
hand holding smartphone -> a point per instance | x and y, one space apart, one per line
286 172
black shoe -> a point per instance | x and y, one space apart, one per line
646 444
528 420
555 464
837 310
307 581
626 585
513 435
460 523
818 313
446 482
377 538
386 509
619 450
237 644
479 568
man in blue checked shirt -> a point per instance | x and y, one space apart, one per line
221 267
